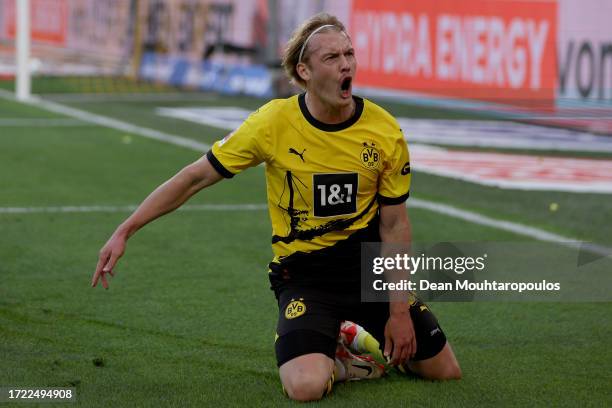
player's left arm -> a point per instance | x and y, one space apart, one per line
400 340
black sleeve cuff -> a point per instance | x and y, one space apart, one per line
393 201
218 166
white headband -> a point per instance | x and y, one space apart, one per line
308 39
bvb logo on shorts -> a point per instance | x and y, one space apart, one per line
370 157
295 308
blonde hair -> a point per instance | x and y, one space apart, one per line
297 46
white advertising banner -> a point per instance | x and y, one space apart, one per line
585 51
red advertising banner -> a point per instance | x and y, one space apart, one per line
494 50
48 20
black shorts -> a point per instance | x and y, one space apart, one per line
309 322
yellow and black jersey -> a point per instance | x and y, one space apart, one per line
324 181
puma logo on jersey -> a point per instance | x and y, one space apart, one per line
406 169
293 151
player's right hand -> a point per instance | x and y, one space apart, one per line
109 255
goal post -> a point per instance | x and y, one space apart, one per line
22 48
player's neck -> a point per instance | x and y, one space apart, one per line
327 113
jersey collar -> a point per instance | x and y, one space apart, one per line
327 127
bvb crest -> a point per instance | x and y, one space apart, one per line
370 157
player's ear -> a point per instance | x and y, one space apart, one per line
303 71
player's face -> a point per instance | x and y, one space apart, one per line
331 69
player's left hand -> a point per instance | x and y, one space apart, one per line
400 340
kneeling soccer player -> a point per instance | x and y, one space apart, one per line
338 174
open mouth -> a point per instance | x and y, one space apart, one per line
345 86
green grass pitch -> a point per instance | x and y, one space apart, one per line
189 319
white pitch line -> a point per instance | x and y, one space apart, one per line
42 122
121 125
127 208
443 209
112 123
514 227
135 97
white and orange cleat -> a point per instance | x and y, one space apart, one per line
357 367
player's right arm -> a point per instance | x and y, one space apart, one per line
164 199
